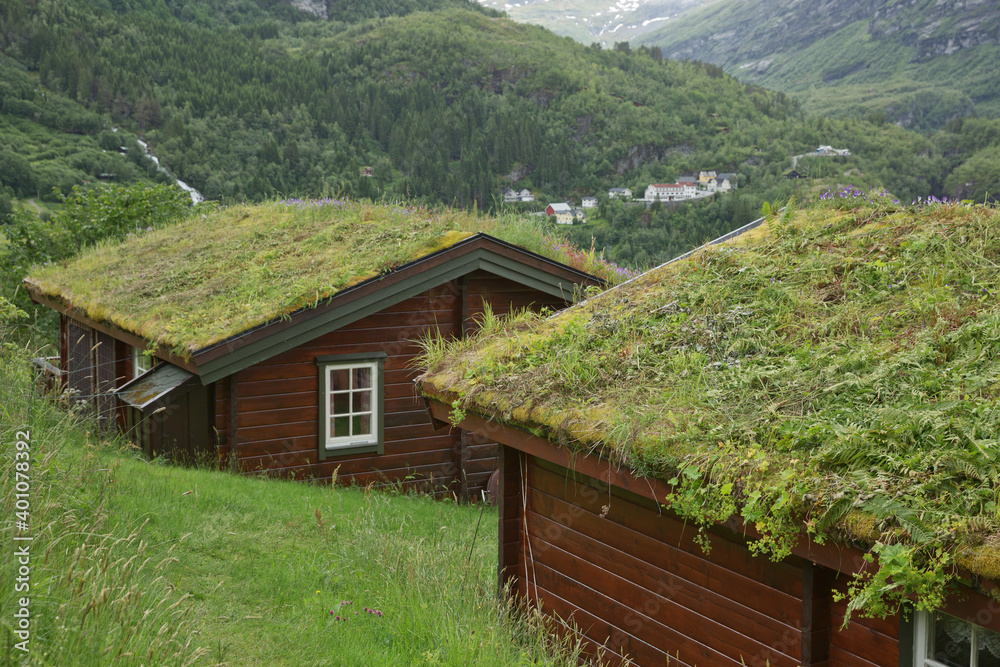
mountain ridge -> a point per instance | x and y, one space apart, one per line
899 59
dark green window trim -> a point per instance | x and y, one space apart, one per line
323 363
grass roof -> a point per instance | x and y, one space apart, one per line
214 275
835 371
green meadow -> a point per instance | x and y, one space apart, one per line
137 562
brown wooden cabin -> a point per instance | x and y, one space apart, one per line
259 399
586 541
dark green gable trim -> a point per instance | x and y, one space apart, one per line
422 280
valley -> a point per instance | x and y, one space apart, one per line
250 101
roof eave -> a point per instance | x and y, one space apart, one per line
128 337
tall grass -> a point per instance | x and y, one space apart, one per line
98 593
139 563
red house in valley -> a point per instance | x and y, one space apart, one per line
284 336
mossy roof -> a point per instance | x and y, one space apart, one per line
841 362
215 275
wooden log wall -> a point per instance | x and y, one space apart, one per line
636 582
865 642
276 415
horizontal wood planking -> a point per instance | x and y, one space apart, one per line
277 404
279 428
643 517
607 611
707 598
696 586
266 389
398 368
668 622
504 296
865 641
306 451
596 631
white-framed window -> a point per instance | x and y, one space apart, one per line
140 362
941 640
350 395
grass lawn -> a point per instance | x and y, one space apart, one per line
139 563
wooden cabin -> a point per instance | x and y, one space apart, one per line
590 544
319 390
639 481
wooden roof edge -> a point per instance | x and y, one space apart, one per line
555 266
161 351
350 304
847 559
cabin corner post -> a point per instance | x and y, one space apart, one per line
462 442
510 503
817 623
233 455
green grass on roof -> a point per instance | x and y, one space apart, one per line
837 371
217 274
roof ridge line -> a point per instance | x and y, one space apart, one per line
722 239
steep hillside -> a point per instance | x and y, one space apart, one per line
49 143
448 106
445 106
920 62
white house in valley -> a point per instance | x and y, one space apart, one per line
511 196
620 193
588 202
670 191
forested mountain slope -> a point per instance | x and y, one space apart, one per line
448 105
247 100
918 62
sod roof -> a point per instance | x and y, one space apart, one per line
215 275
836 370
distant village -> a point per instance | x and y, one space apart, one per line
704 184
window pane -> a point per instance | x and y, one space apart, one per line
989 648
340 379
341 427
362 425
340 404
952 641
362 378
362 401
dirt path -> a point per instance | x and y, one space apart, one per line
37 207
